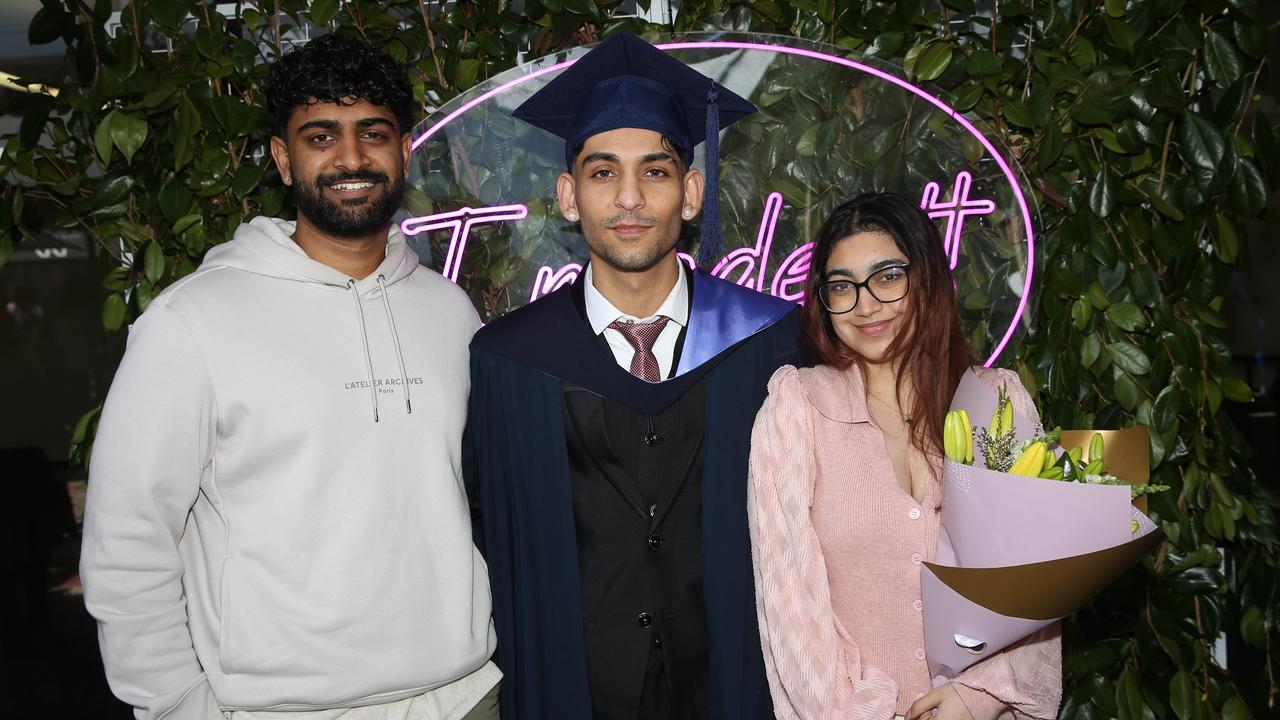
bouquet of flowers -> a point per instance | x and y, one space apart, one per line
1034 524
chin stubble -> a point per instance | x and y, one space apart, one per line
347 219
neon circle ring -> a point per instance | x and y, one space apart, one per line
481 206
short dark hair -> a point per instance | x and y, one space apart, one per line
333 68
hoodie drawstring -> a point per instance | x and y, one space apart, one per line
364 337
395 339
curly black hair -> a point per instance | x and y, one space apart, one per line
331 68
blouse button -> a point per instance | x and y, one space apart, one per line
917 558
914 513
919 654
918 605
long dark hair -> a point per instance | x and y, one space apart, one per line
932 348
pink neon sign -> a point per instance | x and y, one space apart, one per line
745 266
748 266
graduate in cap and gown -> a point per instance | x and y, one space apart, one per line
610 420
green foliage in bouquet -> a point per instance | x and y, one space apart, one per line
1135 120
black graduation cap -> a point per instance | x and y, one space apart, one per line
624 82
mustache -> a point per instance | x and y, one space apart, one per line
629 218
357 176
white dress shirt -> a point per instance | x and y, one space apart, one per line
601 313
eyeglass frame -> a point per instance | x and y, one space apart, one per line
859 286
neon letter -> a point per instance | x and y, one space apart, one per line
753 260
460 221
955 211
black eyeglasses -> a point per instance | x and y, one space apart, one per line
887 285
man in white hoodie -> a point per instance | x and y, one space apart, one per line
276 522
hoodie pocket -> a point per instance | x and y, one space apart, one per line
226 644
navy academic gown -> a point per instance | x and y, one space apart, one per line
518 475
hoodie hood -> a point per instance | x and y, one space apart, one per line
265 246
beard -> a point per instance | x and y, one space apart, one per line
629 257
354 218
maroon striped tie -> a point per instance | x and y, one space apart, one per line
642 336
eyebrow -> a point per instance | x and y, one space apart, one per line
658 157
877 265
599 157
610 157
323 124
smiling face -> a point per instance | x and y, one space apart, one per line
871 325
630 194
347 166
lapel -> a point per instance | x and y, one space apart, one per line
552 335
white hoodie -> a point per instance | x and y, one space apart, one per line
276 513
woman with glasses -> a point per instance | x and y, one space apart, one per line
845 487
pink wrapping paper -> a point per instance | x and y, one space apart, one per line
1016 553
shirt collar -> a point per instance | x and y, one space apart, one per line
601 312
840 395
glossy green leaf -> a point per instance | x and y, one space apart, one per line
153 262
886 44
1182 695
1164 413
169 12
966 97
1126 392
322 11
1083 54
1228 244
1102 197
983 63
48 24
1221 59
1126 316
1121 34
467 72
102 138
1017 113
806 145
1200 142
1236 390
1248 189
1196 581
767 8
1129 696
933 61
128 132
112 190
1129 357
1050 149
1090 348
1081 313
1235 709
113 312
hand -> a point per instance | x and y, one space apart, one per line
945 700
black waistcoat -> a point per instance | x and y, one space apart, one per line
637 501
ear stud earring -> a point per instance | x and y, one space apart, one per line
571 216
687 213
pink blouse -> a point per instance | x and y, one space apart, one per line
837 546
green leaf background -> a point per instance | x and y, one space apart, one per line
1137 122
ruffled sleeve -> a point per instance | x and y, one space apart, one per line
814 669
